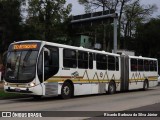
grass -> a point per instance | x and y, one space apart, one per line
4 95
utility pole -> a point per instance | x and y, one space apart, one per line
115 34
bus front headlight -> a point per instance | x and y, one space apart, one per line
32 84
5 83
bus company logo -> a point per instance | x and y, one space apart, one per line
6 114
75 74
101 74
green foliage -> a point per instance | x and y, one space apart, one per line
135 14
4 95
47 16
148 38
105 4
10 19
131 15
49 20
46 20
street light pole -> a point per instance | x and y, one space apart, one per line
115 35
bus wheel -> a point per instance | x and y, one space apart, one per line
66 91
111 88
145 85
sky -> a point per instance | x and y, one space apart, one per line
79 9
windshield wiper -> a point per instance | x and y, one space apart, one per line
27 55
16 70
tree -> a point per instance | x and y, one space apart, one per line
134 15
104 4
10 20
45 16
148 38
130 12
108 5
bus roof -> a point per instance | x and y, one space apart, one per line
67 46
81 48
140 57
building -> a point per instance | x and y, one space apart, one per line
82 40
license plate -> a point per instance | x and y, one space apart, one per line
17 89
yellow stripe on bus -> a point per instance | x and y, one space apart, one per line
96 81
81 80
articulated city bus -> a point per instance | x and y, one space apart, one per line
41 68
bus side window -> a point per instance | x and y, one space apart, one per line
151 65
101 61
155 65
111 63
140 65
117 64
54 60
146 65
82 60
69 58
94 56
133 64
90 61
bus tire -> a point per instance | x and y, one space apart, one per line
67 90
111 87
145 85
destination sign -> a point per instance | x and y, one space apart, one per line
25 46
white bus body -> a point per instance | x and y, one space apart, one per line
42 68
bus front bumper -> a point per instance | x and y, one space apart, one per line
36 90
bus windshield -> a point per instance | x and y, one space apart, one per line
21 65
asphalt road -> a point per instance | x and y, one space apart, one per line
133 100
